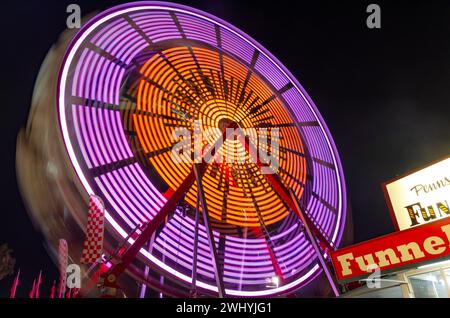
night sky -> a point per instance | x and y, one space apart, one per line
384 94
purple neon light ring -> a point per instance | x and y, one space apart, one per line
94 118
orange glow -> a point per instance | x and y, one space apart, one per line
236 194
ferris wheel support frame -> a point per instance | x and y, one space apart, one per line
316 247
109 276
209 232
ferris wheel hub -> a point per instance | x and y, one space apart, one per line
111 278
226 122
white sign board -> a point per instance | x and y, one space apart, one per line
420 197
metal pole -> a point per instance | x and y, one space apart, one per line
194 261
316 247
161 277
146 269
212 245
122 244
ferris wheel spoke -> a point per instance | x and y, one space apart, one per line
215 76
265 118
269 245
244 86
117 165
113 166
186 97
251 105
270 125
161 116
238 89
192 85
206 81
90 102
312 123
170 64
247 98
256 108
290 176
196 86
259 113
297 153
94 48
182 95
328 205
194 58
133 24
325 163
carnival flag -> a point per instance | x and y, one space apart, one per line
52 292
33 290
38 285
63 262
14 285
93 245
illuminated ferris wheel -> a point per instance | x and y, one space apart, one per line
139 72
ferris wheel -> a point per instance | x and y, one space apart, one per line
137 73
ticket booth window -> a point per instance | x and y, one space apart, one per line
447 276
429 285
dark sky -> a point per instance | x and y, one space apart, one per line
384 94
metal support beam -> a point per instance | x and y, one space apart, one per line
194 260
143 290
209 232
316 247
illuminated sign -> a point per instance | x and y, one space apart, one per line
420 197
392 252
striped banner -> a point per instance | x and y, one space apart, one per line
63 263
93 245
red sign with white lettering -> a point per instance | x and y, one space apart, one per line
421 244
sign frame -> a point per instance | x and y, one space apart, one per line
404 175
